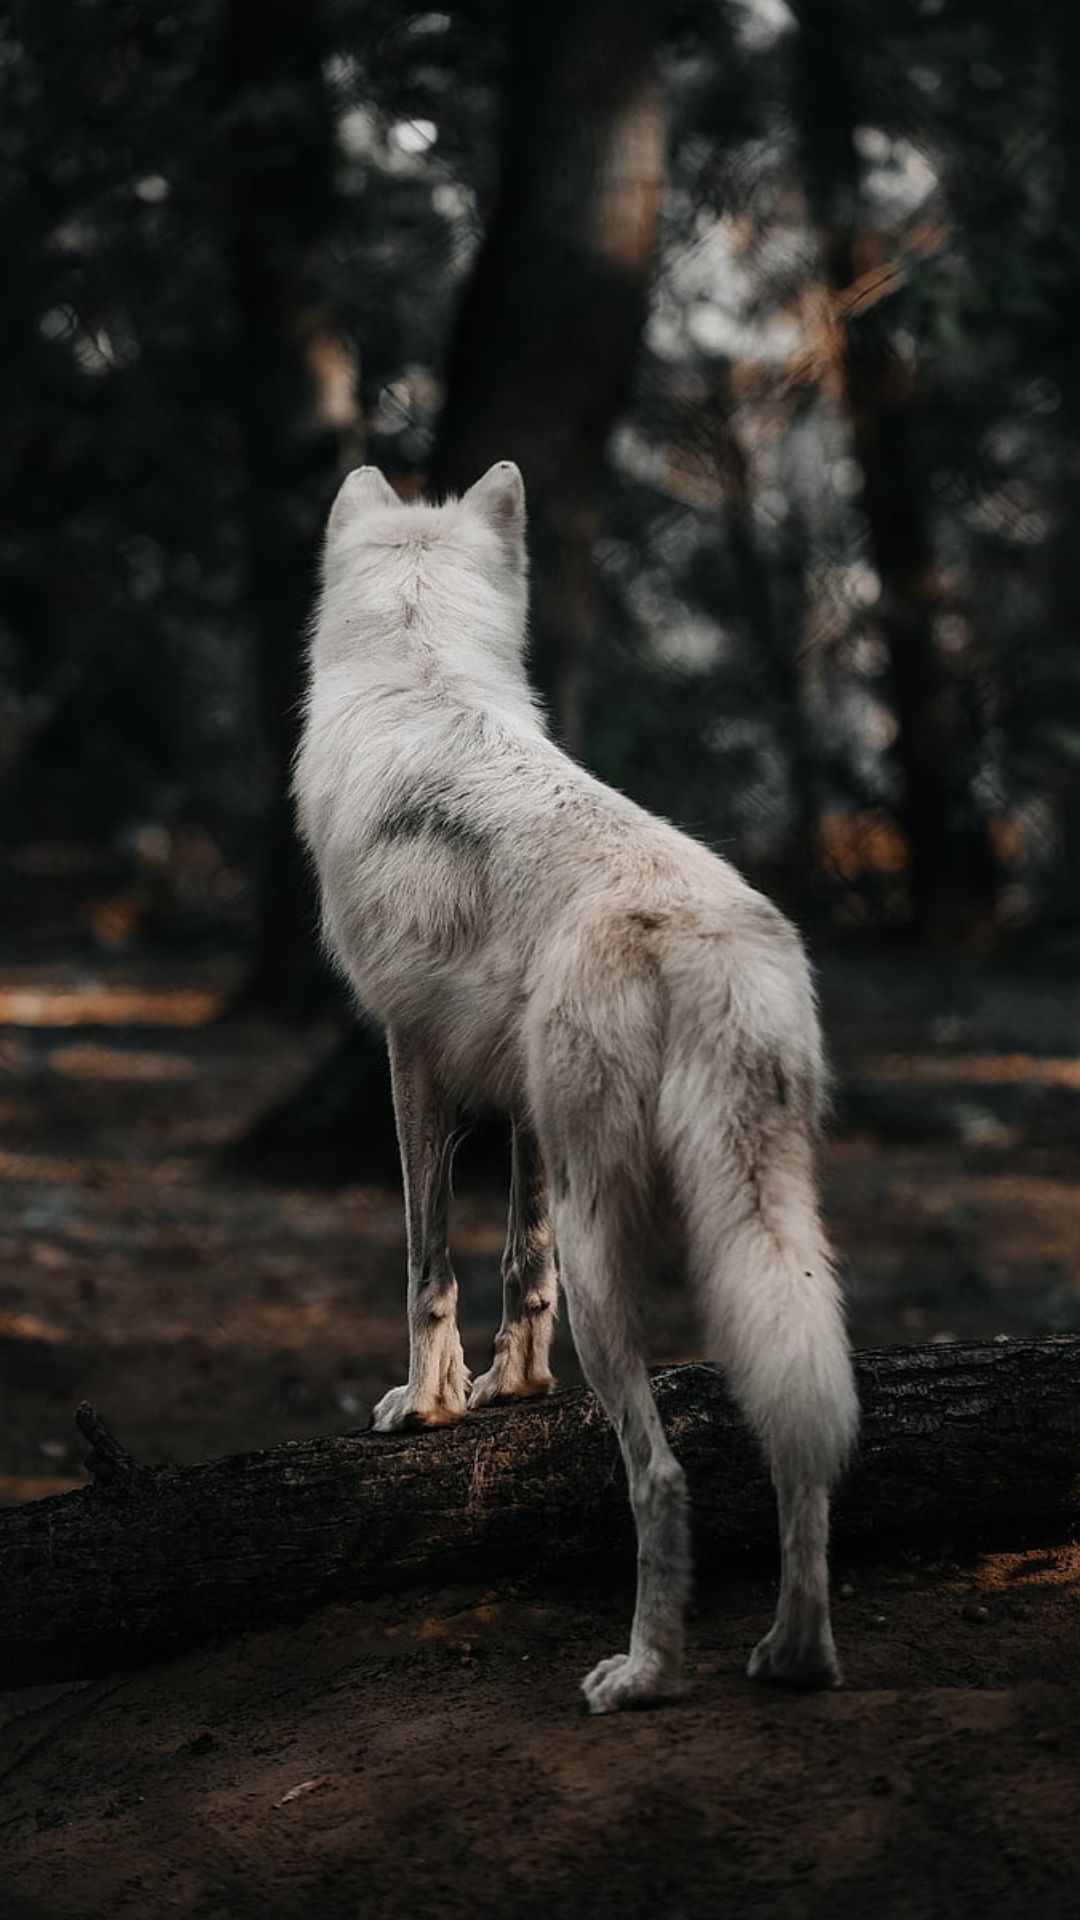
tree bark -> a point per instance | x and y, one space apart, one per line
977 1441
542 358
952 872
296 414
1059 692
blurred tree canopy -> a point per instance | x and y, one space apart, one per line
773 303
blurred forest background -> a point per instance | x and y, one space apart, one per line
774 304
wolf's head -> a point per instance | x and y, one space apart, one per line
450 578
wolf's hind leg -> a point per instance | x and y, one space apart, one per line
592 1253
520 1369
434 1394
798 1649
776 1324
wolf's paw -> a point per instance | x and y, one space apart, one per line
787 1661
502 1382
631 1680
405 1407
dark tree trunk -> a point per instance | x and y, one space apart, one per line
292 375
952 871
545 342
770 606
1060 693
975 1443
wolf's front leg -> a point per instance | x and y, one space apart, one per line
520 1369
434 1393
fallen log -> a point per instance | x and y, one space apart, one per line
973 1441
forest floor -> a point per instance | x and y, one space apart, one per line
427 1751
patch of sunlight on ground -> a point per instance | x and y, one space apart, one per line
17 1488
997 1069
100 1005
1059 1566
88 1061
27 1326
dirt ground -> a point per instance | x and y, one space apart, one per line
428 1756
427 1752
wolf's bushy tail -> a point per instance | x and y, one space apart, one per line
738 1120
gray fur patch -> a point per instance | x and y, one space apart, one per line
431 815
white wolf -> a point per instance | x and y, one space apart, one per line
532 939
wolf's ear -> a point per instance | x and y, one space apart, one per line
362 489
499 499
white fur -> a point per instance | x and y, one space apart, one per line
532 939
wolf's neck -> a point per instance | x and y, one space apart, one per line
398 662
